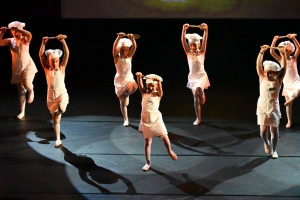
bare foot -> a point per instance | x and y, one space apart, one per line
197 122
21 115
173 155
30 97
288 125
126 123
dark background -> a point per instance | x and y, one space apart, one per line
233 45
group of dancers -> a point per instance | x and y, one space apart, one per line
271 75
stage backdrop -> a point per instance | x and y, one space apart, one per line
238 9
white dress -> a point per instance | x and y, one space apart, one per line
151 123
291 80
124 76
22 63
197 76
268 110
57 93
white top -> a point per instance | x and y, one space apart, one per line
291 71
196 65
21 60
56 83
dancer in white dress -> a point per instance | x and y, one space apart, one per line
268 110
291 80
23 67
197 78
152 124
124 82
57 96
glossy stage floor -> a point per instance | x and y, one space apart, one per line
223 158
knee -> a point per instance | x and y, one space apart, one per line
22 90
148 142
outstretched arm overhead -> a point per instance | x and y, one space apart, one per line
272 50
27 35
183 40
283 63
133 48
114 50
159 87
204 27
139 76
259 67
293 38
42 53
3 42
64 62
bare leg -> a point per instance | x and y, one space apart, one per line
289 101
147 150
167 143
274 139
29 86
56 124
124 101
289 112
198 101
22 99
124 110
265 137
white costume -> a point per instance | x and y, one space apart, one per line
268 110
197 76
22 64
151 123
291 80
57 95
123 76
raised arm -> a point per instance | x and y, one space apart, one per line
204 27
114 50
297 45
283 63
140 82
159 88
42 53
65 59
3 42
272 51
183 40
27 35
133 48
259 67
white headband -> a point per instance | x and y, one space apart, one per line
288 45
193 38
124 42
270 65
17 24
149 78
50 53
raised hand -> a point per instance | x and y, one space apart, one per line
185 26
203 26
264 48
291 35
139 74
44 40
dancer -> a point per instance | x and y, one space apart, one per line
57 96
291 81
23 67
151 124
124 82
197 78
268 110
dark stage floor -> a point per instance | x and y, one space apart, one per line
223 158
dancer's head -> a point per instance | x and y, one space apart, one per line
123 46
152 82
271 69
194 41
53 57
18 25
289 47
